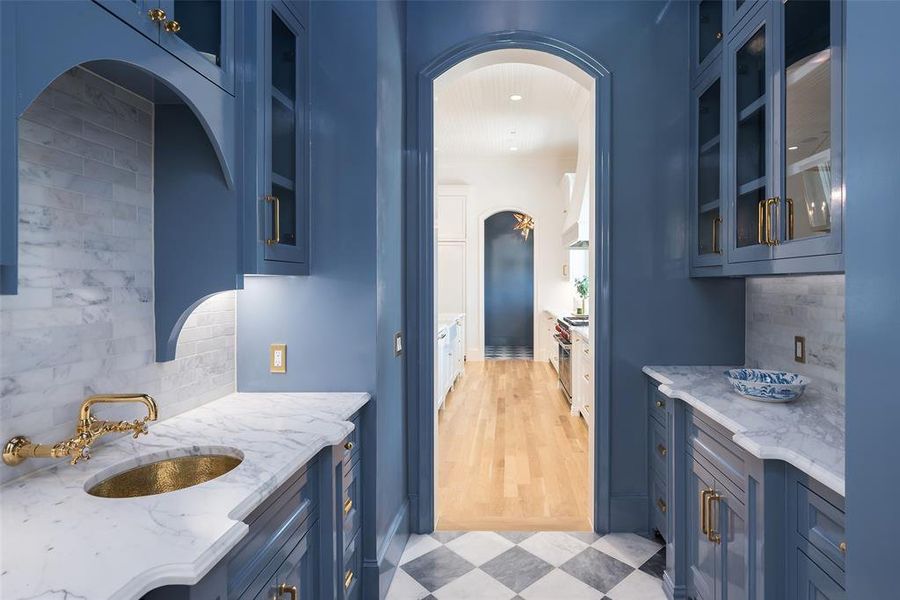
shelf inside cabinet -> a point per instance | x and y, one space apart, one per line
709 206
752 185
710 144
282 181
282 98
751 108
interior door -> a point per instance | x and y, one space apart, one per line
201 33
810 187
135 13
702 551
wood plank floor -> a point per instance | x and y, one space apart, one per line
510 456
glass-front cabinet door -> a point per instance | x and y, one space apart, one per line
201 33
809 190
143 15
749 69
708 33
707 179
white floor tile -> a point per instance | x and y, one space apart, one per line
630 548
557 585
555 547
638 586
478 547
474 585
417 546
404 587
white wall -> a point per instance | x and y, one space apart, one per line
512 183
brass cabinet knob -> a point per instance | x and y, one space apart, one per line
172 26
349 445
843 547
288 589
661 504
718 35
660 404
661 449
156 15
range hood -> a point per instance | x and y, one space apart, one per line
577 226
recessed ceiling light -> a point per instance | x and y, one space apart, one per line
793 147
513 148
515 97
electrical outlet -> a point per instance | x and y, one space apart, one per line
398 343
278 358
799 349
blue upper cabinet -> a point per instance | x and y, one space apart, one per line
199 32
708 33
275 132
707 181
781 164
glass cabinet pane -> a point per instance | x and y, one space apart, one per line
750 140
807 126
283 142
708 167
201 27
709 28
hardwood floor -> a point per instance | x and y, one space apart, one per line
510 456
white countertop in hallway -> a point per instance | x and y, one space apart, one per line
807 433
59 542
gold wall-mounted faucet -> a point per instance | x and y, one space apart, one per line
88 431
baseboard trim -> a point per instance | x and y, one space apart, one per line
672 591
379 573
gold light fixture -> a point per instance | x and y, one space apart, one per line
524 223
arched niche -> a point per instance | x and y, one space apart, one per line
195 233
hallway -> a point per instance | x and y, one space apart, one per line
511 457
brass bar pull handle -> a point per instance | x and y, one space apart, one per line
715 235
790 217
704 528
761 221
348 506
661 449
771 215
712 535
276 220
288 589
348 579
661 504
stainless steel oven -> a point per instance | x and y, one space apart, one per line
564 341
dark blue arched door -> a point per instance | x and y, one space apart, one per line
508 288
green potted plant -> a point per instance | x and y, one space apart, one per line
581 288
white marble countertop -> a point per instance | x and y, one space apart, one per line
807 433
445 320
59 542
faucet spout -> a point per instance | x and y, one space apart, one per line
85 417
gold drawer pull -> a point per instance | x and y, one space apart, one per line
761 222
348 446
172 26
712 535
348 579
288 589
661 449
276 219
715 235
662 505
156 15
660 404
703 518
843 547
348 506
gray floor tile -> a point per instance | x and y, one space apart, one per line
588 537
437 568
656 564
516 568
596 569
517 537
447 536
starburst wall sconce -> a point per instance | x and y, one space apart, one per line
524 223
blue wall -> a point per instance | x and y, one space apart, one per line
338 322
873 297
659 315
508 283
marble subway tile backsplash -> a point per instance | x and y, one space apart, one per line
812 306
82 322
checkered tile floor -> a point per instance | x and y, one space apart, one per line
547 565
508 352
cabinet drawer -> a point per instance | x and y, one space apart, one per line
813 583
272 527
658 402
294 566
350 505
352 444
658 505
658 449
350 579
714 444
821 524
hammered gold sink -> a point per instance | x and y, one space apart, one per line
167 475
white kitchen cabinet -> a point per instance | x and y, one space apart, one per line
548 343
450 356
582 375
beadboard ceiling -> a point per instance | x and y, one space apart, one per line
474 115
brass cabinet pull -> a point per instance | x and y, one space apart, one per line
661 449
276 219
790 217
843 547
348 446
348 506
712 535
348 579
660 404
771 203
662 505
156 15
288 589
761 221
172 26
704 528
715 235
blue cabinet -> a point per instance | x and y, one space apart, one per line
136 13
275 104
778 82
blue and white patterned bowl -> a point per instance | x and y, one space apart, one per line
768 386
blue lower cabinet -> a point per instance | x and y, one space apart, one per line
813 583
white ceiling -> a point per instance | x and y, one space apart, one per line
475 117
